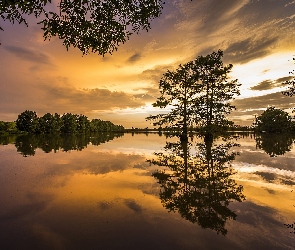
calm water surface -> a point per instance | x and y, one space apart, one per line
113 192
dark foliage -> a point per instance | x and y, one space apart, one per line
90 25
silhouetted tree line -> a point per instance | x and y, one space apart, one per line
8 127
29 122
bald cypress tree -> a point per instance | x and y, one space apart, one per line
214 92
197 93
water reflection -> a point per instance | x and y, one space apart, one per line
27 144
196 181
105 198
275 144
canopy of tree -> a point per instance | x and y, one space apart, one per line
198 94
274 120
291 85
8 127
95 26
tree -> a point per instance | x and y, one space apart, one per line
69 123
291 85
83 124
197 94
2 127
49 123
27 121
96 26
274 120
178 93
95 125
214 92
8 127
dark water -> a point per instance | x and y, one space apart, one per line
111 191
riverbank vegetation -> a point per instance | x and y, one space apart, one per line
29 122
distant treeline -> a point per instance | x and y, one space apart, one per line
178 130
8 127
68 123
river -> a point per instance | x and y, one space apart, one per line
146 191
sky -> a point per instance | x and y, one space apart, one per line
257 37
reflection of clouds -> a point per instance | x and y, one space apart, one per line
244 167
24 211
262 173
259 157
255 215
58 171
35 204
50 238
103 163
129 151
133 205
256 166
101 208
105 205
259 227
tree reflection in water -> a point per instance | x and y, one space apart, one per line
275 144
197 183
27 144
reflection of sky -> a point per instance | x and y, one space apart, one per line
104 197
256 162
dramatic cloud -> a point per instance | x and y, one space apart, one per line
249 49
134 58
216 13
63 98
267 84
70 98
284 79
145 97
29 55
277 100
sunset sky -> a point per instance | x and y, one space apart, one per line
257 37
